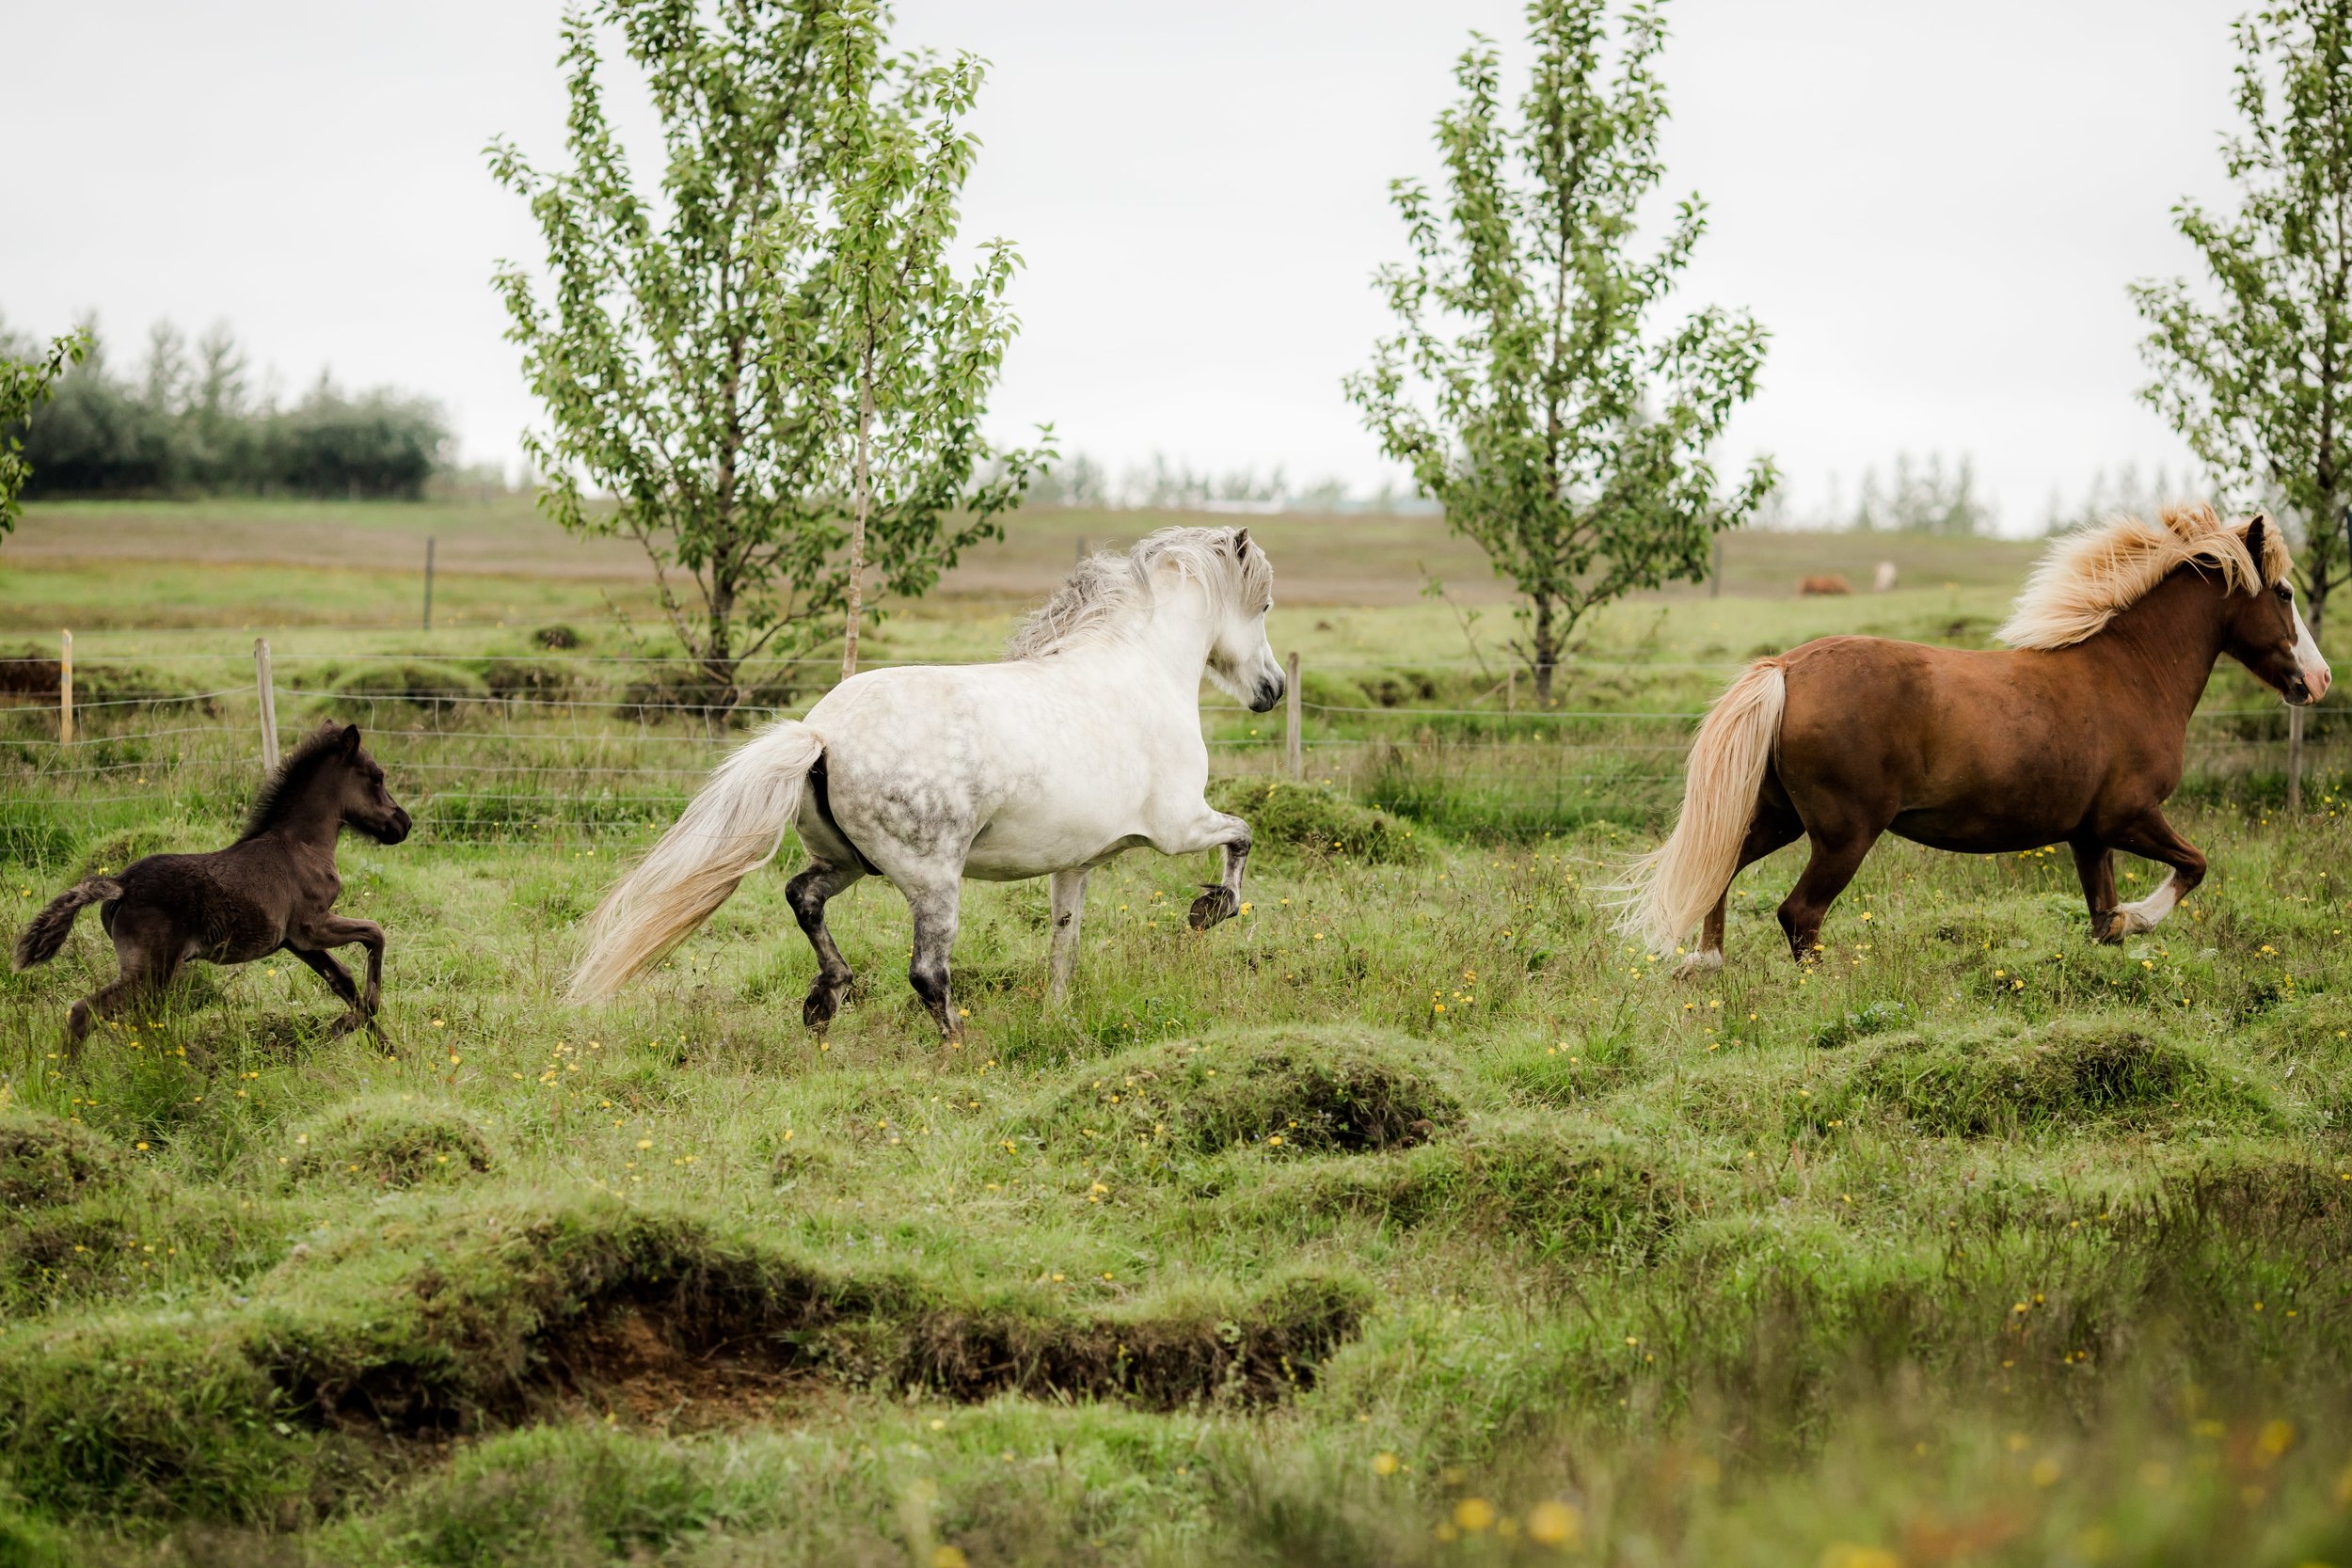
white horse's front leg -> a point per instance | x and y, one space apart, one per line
1069 907
1223 898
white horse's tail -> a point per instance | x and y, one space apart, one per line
1670 890
734 826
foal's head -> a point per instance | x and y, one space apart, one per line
2264 631
1241 661
328 781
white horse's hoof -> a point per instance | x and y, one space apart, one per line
1698 963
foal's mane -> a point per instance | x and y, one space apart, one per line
280 791
1111 589
2091 575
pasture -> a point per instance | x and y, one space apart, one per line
1410 1217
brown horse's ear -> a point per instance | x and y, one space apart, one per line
351 740
1241 543
326 726
2256 543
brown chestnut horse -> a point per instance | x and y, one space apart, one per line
2074 735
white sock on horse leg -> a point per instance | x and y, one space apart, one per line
2146 914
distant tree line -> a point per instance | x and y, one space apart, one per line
191 420
1174 485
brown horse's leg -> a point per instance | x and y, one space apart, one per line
338 980
140 980
2153 838
1772 829
2094 862
808 894
1834 862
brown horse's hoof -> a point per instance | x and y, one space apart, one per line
818 1010
1217 903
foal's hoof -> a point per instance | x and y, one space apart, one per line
1218 902
349 1022
817 1012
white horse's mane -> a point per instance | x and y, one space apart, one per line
1111 590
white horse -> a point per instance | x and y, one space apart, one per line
1084 741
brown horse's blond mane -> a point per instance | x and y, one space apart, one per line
2089 576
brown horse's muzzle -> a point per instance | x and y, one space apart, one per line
396 829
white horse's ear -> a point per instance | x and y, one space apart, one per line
1241 543
2256 544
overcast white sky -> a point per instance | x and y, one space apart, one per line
1934 208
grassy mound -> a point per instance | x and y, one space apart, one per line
1313 820
482 1317
390 1142
2071 1072
45 1160
1579 1190
1334 1090
402 685
525 678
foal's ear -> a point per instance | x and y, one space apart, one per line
1241 543
351 740
2256 543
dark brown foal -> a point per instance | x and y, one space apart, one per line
274 890
2075 735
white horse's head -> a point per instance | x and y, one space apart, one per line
1241 661
1192 572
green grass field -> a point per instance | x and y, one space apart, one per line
1409 1218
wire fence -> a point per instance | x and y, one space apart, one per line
487 749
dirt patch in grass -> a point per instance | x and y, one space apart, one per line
46 1159
2070 1072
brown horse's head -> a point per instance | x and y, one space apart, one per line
366 804
2264 631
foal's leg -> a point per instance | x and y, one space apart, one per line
934 903
1069 907
1223 898
2094 863
147 951
1836 856
339 931
338 980
1770 830
808 894
2152 837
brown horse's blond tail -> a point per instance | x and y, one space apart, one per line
731 829
1670 890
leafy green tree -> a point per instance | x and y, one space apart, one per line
920 346
25 384
2260 385
1523 387
697 360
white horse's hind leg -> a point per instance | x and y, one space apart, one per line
935 915
1069 908
808 894
1223 898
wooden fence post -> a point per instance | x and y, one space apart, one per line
269 705
1293 746
64 692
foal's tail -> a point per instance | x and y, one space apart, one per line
1670 890
731 829
40 941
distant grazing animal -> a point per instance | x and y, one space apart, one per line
1084 741
1816 587
273 890
2072 735
1882 578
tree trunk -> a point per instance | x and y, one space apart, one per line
861 500
1547 651
717 696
